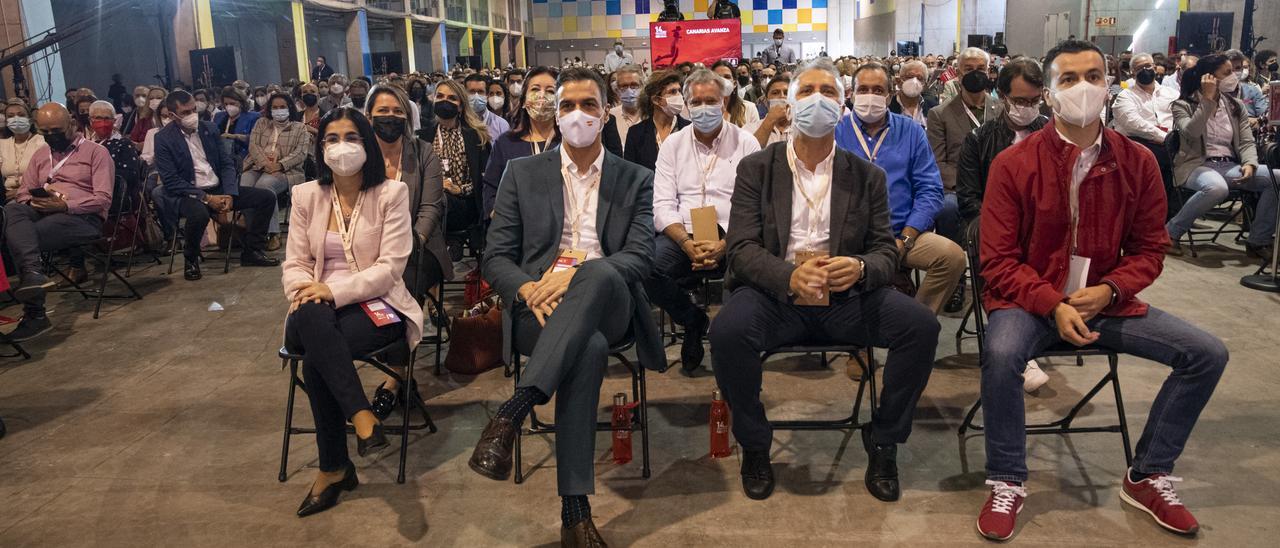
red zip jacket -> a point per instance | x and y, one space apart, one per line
1026 223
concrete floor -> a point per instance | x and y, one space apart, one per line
160 424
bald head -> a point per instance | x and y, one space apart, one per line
53 117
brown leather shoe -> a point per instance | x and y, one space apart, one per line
582 535
492 456
77 275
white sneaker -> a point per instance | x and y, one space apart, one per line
1034 377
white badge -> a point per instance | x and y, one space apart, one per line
1078 278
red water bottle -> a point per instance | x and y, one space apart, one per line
719 427
621 429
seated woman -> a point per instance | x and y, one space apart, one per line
533 130
1217 151
16 151
235 121
277 149
148 153
461 140
347 251
407 158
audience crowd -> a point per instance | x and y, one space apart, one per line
836 198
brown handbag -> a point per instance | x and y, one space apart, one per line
475 340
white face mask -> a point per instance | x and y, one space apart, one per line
335 89
1078 105
729 84
912 87
190 121
1230 83
497 101
140 101
1021 116
579 129
233 111
201 106
870 107
345 159
280 114
154 104
776 102
516 88
675 105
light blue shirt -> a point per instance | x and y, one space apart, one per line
497 125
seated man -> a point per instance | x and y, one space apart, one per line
1143 112
197 177
898 145
695 171
810 257
64 198
574 282
910 101
1043 289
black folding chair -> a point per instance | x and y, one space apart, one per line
384 359
1063 425
103 251
232 236
702 281
3 430
639 396
867 380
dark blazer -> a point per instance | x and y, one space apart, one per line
612 142
321 72
178 173
524 235
420 170
642 142
477 156
760 222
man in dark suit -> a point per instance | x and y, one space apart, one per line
322 70
197 176
910 100
574 279
811 254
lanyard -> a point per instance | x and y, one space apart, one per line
972 118
537 146
814 203
862 140
346 229
59 165
704 173
576 209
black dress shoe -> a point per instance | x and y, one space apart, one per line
328 498
258 258
384 402
375 442
757 475
956 303
492 456
882 468
191 270
582 535
1258 251
29 328
691 351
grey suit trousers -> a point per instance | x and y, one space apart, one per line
567 359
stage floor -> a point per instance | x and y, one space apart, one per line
160 424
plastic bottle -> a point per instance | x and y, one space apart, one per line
621 429
719 427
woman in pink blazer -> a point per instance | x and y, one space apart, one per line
349 239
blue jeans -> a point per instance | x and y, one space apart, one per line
1015 336
947 223
1211 184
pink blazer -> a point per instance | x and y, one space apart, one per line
381 247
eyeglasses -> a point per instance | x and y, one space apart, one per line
1024 103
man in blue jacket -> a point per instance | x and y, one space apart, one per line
897 144
198 177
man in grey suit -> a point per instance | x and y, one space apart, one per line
569 246
811 254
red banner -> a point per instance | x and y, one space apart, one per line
702 41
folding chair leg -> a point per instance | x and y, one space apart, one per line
288 420
968 418
173 250
1124 423
407 402
644 424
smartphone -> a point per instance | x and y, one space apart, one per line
40 192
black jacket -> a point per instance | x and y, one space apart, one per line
927 103
642 142
976 154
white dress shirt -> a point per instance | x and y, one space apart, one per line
206 177
586 196
1218 131
682 168
810 230
1144 115
613 61
624 121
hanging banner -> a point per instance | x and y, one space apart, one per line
704 41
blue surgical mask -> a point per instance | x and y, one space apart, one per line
707 118
629 96
280 114
815 115
479 102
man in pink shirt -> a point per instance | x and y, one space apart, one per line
62 203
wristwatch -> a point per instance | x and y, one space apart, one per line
908 242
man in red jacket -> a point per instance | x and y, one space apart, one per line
1072 228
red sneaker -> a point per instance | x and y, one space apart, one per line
1155 496
1000 513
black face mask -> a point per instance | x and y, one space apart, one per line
357 101
1145 76
83 119
57 141
417 93
388 128
1273 67
445 110
743 80
310 99
975 81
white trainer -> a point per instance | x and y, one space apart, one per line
1034 377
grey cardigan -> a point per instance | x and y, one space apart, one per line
1191 119
420 170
